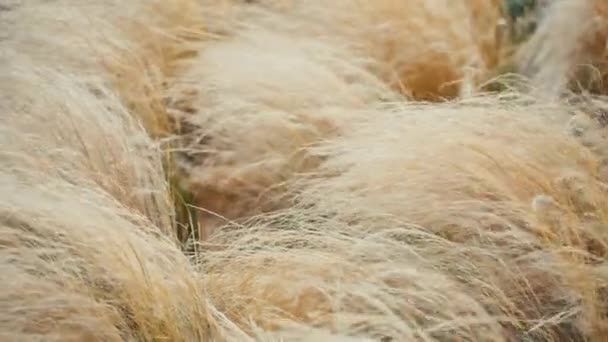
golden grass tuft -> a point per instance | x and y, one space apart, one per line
513 201
249 122
428 50
432 222
86 243
132 46
135 49
333 206
351 57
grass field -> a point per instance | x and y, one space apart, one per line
284 170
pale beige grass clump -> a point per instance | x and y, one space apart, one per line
481 219
299 270
85 256
392 247
249 104
426 49
498 197
136 46
284 75
85 226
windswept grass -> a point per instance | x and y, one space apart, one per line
331 204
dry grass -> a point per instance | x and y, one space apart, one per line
238 159
432 222
87 228
513 211
136 50
569 48
427 50
351 57
132 47
86 245
479 219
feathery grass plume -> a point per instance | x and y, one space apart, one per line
83 250
482 219
137 45
510 205
569 48
252 102
427 49
136 48
297 275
